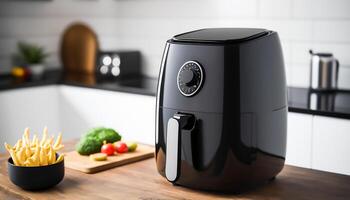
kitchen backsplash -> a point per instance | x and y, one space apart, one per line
323 25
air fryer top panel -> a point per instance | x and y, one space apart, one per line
220 35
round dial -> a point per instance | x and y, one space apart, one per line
190 78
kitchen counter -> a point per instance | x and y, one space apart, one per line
141 181
300 100
332 104
135 84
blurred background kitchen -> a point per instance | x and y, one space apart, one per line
318 121
323 25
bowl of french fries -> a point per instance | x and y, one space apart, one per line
34 163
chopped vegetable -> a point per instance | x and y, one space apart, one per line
131 146
92 141
121 147
103 134
108 135
108 149
88 146
98 157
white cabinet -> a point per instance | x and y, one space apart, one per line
28 107
132 115
299 139
73 110
317 142
331 145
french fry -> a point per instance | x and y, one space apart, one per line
14 157
49 141
28 151
34 141
18 145
52 155
27 163
59 159
34 152
31 162
15 146
43 157
8 147
58 140
21 156
25 137
36 156
37 142
35 163
43 139
59 147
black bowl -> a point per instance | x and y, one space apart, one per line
36 178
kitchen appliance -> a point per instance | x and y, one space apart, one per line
324 71
79 47
121 64
221 109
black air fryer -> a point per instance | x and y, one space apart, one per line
221 113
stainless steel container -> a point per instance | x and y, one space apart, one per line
324 71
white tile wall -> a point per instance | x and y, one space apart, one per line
321 9
332 30
323 25
280 9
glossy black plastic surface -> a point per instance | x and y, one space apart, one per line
220 35
239 138
129 64
36 178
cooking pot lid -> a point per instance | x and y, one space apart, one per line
220 35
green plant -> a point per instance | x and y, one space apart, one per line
30 53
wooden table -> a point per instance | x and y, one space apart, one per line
141 181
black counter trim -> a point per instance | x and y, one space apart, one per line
55 77
131 90
319 113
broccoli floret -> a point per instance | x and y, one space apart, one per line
108 135
92 141
88 146
93 133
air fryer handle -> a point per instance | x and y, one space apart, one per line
173 145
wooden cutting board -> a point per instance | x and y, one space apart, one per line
74 160
79 46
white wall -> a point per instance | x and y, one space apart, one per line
323 25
